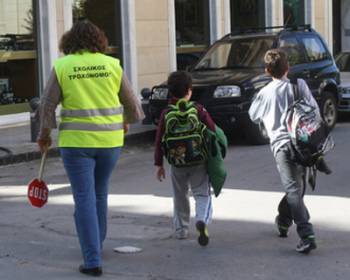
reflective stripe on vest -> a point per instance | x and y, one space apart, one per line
90 126
92 112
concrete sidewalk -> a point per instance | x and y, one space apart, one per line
16 145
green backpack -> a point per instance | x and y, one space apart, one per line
183 140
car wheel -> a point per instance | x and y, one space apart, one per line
256 134
328 108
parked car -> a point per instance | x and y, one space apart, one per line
185 60
343 62
231 72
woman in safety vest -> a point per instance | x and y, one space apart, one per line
97 104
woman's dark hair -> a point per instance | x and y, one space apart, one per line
84 35
179 83
276 63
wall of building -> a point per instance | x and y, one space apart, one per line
224 18
63 16
152 42
322 20
319 18
13 15
345 25
60 18
223 30
277 13
154 33
216 21
2 17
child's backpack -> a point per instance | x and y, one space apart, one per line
309 134
183 141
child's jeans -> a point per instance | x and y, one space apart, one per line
194 177
292 207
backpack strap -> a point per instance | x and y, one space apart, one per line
182 108
171 107
180 102
296 94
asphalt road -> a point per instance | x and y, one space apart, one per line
42 244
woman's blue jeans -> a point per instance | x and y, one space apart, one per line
89 170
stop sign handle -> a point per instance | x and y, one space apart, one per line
42 165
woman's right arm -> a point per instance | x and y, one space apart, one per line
48 103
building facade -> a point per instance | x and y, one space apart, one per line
150 37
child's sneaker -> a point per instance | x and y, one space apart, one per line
203 238
282 229
306 244
181 234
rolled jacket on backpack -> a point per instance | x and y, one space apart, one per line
216 143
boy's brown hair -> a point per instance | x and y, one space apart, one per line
179 82
276 63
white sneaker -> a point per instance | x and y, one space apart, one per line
181 234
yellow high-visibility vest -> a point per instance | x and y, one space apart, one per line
91 115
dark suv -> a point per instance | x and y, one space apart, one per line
230 73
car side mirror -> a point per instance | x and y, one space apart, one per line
146 93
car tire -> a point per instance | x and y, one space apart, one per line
255 134
328 109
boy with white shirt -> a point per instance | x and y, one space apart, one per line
270 107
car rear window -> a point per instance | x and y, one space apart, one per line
291 46
314 48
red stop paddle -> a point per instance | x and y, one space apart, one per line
37 189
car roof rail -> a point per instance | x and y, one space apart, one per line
240 31
302 27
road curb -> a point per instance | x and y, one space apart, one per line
130 140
